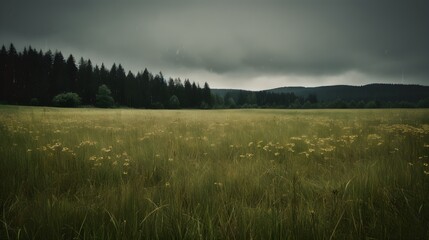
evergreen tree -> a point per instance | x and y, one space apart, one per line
3 84
145 79
46 76
186 103
131 91
171 87
71 71
58 81
111 83
207 98
95 81
90 84
159 91
11 74
31 76
119 85
104 75
81 76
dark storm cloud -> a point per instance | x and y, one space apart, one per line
231 41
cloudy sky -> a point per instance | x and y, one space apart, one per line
235 44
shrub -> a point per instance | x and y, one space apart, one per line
174 102
204 105
34 102
69 99
423 103
371 104
230 103
405 104
157 105
103 98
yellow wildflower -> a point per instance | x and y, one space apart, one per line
219 184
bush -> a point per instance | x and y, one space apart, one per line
204 105
405 104
295 105
371 104
34 102
103 98
230 103
157 105
307 105
337 104
423 103
360 104
69 99
174 102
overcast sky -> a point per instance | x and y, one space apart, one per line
235 44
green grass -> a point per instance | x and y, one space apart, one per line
224 174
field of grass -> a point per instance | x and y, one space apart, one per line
221 174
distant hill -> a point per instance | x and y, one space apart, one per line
379 92
223 91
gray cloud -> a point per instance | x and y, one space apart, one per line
233 43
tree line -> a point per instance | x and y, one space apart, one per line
267 99
34 77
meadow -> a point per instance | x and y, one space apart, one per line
213 174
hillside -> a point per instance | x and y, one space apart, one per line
380 92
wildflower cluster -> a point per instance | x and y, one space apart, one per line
108 157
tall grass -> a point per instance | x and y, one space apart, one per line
230 174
